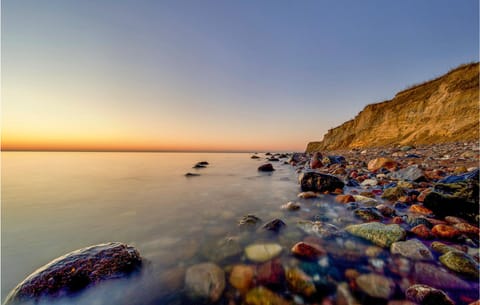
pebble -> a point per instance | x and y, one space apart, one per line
262 252
308 250
412 249
426 295
242 277
205 281
263 296
375 285
445 231
378 163
378 233
422 231
460 262
299 282
268 167
307 195
291 206
344 198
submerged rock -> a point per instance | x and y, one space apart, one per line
262 252
263 296
299 282
318 182
307 250
242 277
426 295
378 233
205 281
428 274
344 295
291 206
375 285
274 225
268 167
412 249
249 221
77 270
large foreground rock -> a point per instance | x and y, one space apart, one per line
318 182
77 270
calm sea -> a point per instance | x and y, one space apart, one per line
56 202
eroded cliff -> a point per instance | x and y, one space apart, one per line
445 109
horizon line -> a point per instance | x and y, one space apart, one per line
145 151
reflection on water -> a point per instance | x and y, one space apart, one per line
53 203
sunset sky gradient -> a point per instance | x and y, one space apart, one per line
214 75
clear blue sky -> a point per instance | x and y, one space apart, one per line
253 75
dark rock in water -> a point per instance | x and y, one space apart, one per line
274 225
191 175
317 182
368 214
203 163
205 282
266 168
447 205
255 157
77 270
249 220
297 158
198 165
273 159
426 295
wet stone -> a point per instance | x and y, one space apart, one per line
412 249
249 220
268 167
429 274
274 225
263 296
299 282
378 233
205 281
270 273
344 296
426 295
422 231
394 193
368 214
242 277
308 250
262 252
461 263
375 285
77 270
318 182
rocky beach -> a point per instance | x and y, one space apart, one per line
393 225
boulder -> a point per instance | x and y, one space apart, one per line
76 271
318 182
205 281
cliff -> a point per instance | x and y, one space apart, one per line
445 109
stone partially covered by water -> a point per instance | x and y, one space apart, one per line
461 263
205 281
307 250
263 296
426 295
375 285
77 270
268 167
299 282
262 252
429 274
412 249
378 233
318 182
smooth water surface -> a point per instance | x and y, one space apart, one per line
56 202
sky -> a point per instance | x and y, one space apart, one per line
248 75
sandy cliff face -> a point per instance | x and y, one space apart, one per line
442 110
